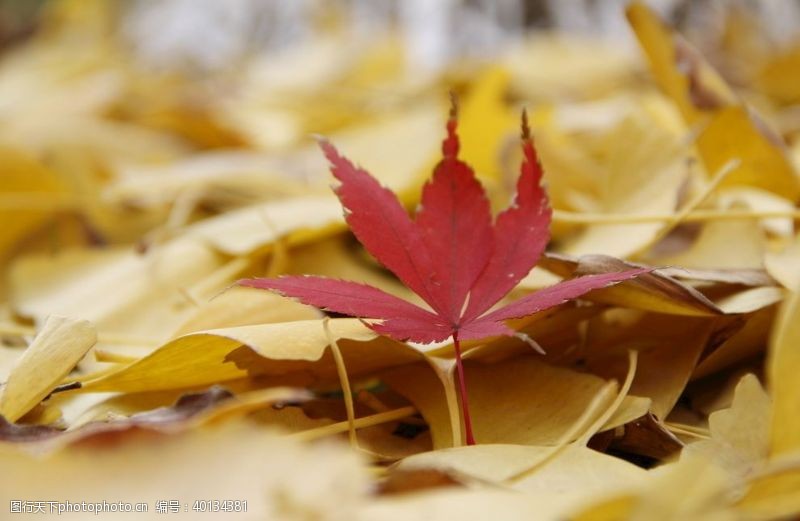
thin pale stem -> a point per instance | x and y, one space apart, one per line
359 423
345 383
694 216
688 430
600 400
462 390
446 377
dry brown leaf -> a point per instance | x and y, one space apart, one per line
176 411
13 433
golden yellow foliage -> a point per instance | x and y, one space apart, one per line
137 186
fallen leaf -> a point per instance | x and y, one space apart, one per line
428 255
10 432
728 129
747 342
272 473
297 219
751 300
287 348
692 489
668 353
460 205
243 307
782 265
654 291
467 505
783 361
148 300
577 476
643 174
30 195
740 434
55 351
772 495
725 245
494 392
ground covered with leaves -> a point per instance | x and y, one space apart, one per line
645 368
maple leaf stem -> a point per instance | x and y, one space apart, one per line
462 391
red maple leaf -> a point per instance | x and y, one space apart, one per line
450 254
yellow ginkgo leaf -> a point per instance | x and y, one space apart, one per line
29 193
485 123
779 77
124 293
782 265
783 364
775 494
239 306
652 292
555 398
692 489
576 476
55 351
298 349
727 128
252 228
739 434
668 352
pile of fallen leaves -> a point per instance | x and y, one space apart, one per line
645 368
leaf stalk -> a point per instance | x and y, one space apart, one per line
462 391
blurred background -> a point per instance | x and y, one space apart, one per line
201 36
